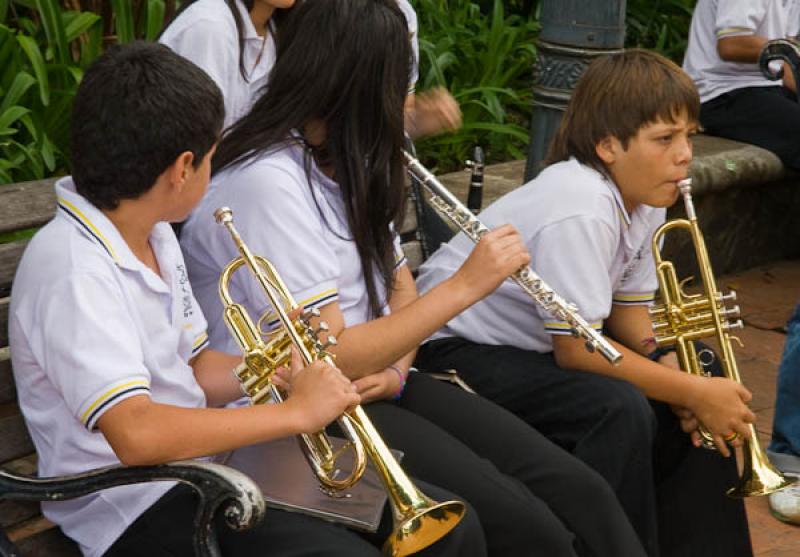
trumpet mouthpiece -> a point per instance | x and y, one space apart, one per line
223 215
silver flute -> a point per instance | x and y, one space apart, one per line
526 278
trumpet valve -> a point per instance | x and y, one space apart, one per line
729 297
730 313
323 327
730 325
308 315
323 347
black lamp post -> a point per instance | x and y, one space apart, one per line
574 32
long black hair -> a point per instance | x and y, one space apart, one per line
345 63
237 18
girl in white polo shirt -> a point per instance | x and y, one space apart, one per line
109 346
588 220
234 42
314 175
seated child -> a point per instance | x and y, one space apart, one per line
588 220
130 379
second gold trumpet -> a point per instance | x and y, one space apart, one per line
418 520
684 318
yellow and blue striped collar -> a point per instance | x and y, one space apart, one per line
93 223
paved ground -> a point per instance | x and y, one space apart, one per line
767 296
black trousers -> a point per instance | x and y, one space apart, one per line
765 116
166 529
673 493
532 497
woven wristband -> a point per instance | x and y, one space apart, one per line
402 377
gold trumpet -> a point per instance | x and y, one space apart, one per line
683 318
418 520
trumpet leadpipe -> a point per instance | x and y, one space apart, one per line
526 278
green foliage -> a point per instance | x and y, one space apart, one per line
44 50
661 25
42 65
485 61
481 50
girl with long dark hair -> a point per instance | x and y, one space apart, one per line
315 178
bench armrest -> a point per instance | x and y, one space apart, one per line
786 50
217 486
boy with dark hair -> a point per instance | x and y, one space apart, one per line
588 220
129 379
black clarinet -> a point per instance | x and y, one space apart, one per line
475 195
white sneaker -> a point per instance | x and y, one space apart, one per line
785 504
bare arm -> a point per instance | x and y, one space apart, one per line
214 372
388 382
145 432
372 346
741 48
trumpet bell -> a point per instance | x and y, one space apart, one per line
759 477
421 528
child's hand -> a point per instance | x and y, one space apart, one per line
498 255
320 393
720 404
378 386
435 111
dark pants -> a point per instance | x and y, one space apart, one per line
166 529
662 482
765 116
532 497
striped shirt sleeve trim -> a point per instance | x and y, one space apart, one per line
321 299
635 299
200 343
317 300
734 31
400 262
560 328
92 413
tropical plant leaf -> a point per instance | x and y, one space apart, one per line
36 59
79 23
123 20
22 82
154 21
50 13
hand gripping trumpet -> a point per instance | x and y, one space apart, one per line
418 520
682 318
452 209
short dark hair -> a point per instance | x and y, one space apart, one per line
617 96
138 108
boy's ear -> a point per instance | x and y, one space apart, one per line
179 171
605 149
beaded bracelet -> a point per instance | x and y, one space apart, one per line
402 377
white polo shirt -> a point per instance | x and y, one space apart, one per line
302 229
716 19
583 244
205 33
90 325
413 32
